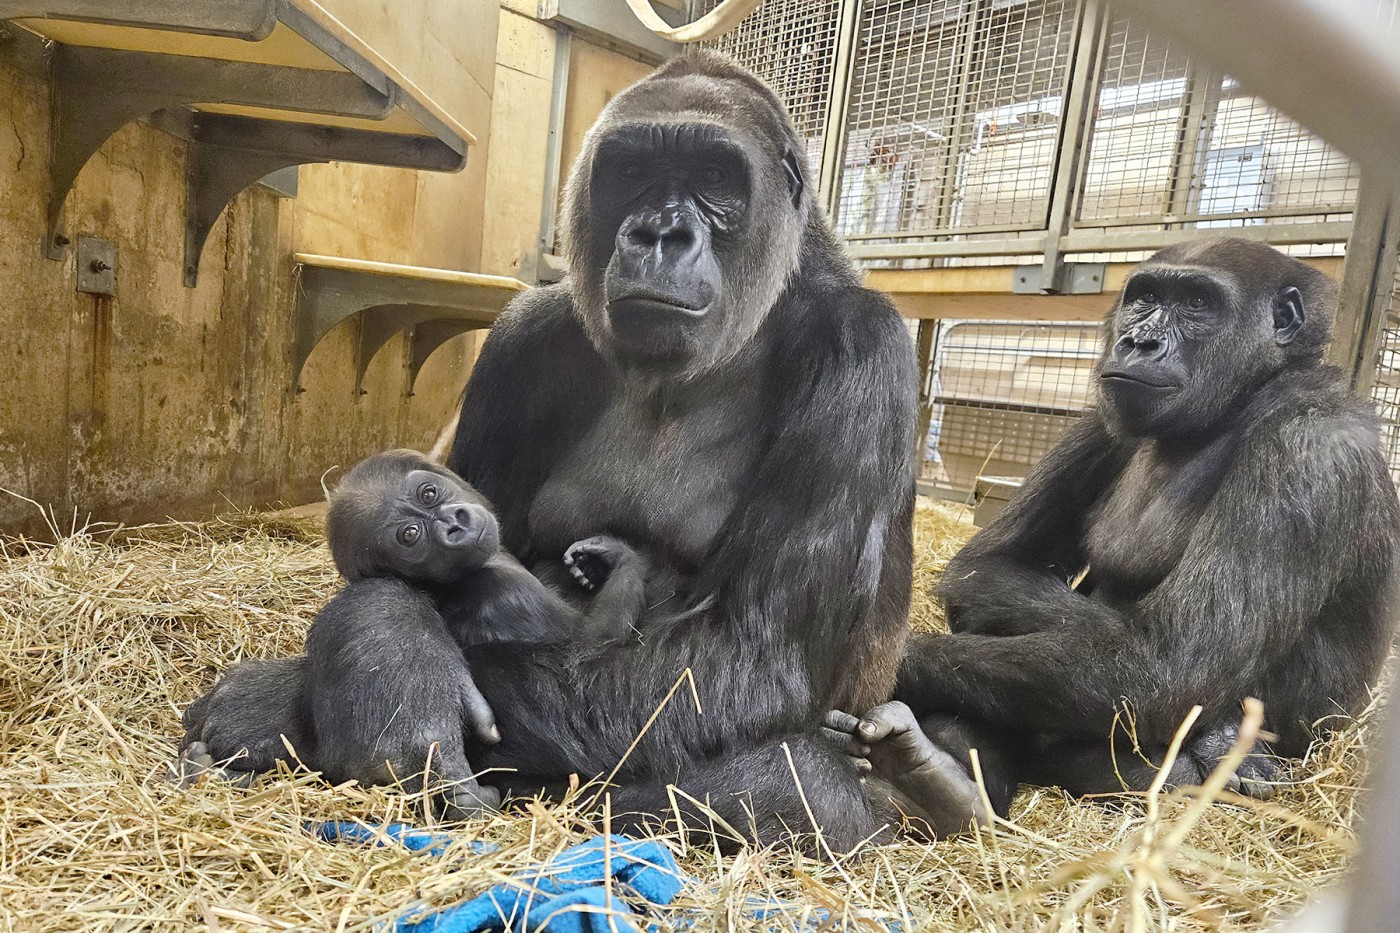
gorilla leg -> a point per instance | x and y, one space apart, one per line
762 795
1085 768
390 696
246 716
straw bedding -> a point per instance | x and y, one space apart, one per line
106 635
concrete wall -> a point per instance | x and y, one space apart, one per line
173 401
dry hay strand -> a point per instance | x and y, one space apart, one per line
107 634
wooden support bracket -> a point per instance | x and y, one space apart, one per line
433 305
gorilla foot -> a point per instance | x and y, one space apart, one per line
925 782
1258 774
196 763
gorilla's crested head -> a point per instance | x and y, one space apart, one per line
685 215
1200 326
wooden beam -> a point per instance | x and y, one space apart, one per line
984 293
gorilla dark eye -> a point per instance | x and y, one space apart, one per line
410 533
1148 298
712 174
1196 303
428 494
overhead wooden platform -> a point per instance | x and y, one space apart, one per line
256 85
987 293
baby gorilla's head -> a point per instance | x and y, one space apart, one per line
398 514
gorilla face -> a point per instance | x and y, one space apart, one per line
674 195
1199 327
398 514
685 217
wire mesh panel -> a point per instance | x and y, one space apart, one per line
954 115
791 44
1385 391
1003 394
1173 142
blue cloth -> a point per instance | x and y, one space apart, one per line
567 893
564 895
415 840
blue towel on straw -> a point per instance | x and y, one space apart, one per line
566 894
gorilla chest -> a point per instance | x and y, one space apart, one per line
659 478
1138 532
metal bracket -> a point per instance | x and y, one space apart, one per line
97 266
388 304
229 153
426 337
379 324
1070 278
98 91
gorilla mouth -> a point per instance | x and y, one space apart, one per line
1120 376
642 302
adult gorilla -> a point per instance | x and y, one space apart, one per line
1230 503
713 384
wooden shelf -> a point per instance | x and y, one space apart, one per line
257 85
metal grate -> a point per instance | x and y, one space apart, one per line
791 44
1003 393
1172 142
1385 391
954 116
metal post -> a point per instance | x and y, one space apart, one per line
923 347
1368 280
1193 140
1080 95
554 153
947 189
834 129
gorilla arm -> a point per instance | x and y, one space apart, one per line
1013 577
1261 563
812 565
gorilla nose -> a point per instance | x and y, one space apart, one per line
1144 345
660 238
454 527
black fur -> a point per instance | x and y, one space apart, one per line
1239 529
761 451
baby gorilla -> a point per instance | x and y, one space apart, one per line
420 549
403 517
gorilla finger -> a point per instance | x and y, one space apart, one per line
478 713
840 720
880 722
467 800
845 743
1257 790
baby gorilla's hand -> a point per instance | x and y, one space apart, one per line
592 560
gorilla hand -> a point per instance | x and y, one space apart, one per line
592 561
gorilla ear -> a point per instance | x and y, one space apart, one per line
794 176
1289 316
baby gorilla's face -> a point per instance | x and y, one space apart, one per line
436 528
